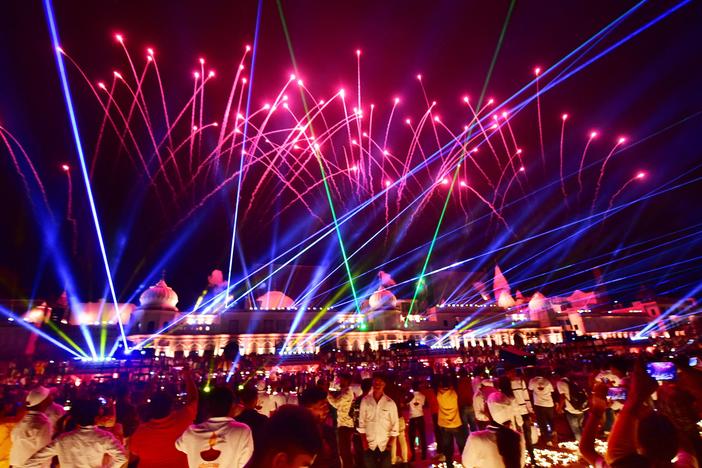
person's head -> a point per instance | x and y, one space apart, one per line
445 382
38 399
315 400
504 384
679 406
379 382
219 402
248 397
160 405
657 439
291 439
84 412
366 385
500 408
344 381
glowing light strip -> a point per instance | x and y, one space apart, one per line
79 148
243 148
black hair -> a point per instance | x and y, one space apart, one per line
658 438
219 402
381 376
509 446
248 395
446 381
366 385
291 430
504 384
311 395
161 405
84 412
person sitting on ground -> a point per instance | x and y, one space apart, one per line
220 441
87 446
291 440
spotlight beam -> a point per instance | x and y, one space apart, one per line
243 148
79 148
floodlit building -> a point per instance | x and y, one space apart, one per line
273 321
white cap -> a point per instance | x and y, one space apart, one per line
37 395
500 407
487 383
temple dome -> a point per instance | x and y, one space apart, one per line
382 299
274 300
537 302
159 296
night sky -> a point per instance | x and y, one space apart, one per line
647 89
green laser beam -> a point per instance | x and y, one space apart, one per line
66 338
497 52
319 161
500 40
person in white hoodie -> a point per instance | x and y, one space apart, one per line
220 441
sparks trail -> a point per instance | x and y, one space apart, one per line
598 185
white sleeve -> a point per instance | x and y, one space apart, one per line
362 417
247 448
469 457
181 442
43 457
115 450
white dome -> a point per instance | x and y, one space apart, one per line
274 300
382 299
159 296
537 302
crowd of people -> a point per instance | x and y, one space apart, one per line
488 407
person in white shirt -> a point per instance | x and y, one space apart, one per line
278 397
574 416
417 426
342 402
526 411
378 425
498 446
34 430
544 406
266 403
485 388
85 447
220 441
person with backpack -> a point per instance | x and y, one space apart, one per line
574 400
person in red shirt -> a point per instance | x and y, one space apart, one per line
430 395
153 443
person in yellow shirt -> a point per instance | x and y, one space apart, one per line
449 421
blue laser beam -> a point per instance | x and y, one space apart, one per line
79 148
